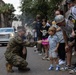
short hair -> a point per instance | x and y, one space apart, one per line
19 29
38 16
53 23
60 12
44 20
52 29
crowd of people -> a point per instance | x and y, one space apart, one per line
56 40
64 28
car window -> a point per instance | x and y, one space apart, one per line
6 30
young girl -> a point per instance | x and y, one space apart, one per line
53 48
44 31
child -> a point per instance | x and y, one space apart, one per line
44 31
53 48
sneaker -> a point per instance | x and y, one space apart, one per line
44 58
72 71
48 59
40 54
35 46
74 53
67 68
50 68
35 51
62 69
57 68
61 62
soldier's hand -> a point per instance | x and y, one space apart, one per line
24 51
40 41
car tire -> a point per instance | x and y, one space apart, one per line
3 44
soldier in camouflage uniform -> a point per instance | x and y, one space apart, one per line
16 52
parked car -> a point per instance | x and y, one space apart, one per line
6 34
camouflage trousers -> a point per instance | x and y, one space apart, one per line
17 61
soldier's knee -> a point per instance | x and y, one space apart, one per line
25 63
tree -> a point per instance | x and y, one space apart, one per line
7 11
54 5
30 8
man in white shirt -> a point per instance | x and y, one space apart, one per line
67 30
72 7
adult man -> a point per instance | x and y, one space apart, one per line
16 52
72 16
61 49
67 29
72 12
29 36
37 28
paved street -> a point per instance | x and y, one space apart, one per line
37 65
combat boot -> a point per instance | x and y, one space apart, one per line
9 67
24 69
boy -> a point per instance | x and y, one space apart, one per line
53 48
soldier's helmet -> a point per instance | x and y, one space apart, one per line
59 18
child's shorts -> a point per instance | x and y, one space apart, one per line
45 43
53 54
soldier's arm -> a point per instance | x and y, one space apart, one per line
18 40
29 44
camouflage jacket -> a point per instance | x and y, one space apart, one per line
16 44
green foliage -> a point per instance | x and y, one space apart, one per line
8 15
53 4
43 7
7 8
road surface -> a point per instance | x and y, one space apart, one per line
35 62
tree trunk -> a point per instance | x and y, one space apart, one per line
2 21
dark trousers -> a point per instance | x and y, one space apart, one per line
61 51
39 46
